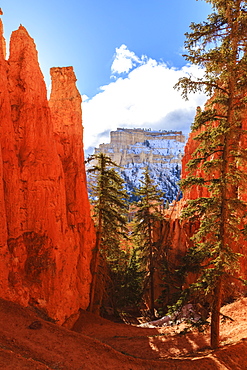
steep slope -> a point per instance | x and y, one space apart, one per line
45 253
28 342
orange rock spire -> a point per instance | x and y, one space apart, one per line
46 232
2 39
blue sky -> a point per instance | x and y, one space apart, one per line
121 50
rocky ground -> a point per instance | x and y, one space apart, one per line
28 342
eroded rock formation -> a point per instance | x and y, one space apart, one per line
129 146
177 237
135 149
46 233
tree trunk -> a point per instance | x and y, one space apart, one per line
151 271
95 269
215 319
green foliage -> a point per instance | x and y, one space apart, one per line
148 204
109 200
172 280
126 281
219 47
148 213
110 207
123 274
146 218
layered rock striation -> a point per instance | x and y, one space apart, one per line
129 146
46 233
135 149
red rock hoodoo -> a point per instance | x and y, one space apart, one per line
46 232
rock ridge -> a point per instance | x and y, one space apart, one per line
135 149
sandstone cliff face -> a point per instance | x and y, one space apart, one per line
46 231
180 231
123 141
134 149
195 191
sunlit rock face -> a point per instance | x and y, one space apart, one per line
46 233
179 232
135 149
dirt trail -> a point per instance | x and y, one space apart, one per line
101 344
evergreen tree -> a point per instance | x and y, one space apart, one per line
147 216
126 288
110 209
219 46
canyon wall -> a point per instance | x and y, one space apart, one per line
129 146
46 232
178 232
135 149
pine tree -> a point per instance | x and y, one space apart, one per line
110 209
147 216
126 288
219 46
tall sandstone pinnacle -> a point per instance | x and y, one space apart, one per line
46 232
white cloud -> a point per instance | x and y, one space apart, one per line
144 98
124 60
85 97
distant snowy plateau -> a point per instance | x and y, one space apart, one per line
135 149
